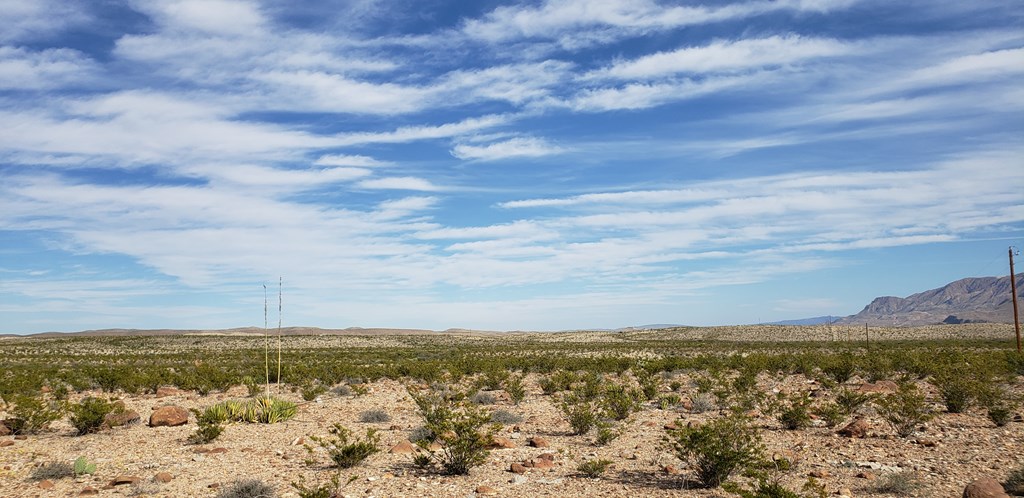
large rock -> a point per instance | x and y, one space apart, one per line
168 416
404 447
986 487
120 418
857 428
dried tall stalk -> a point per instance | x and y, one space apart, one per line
279 285
266 340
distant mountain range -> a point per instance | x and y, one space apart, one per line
981 299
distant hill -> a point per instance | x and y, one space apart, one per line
817 320
969 300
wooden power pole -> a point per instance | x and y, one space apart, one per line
1013 293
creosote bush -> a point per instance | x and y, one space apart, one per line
462 428
53 470
87 415
719 448
905 410
582 414
32 414
516 388
344 451
594 468
1014 484
374 417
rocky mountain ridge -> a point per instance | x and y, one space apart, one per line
975 299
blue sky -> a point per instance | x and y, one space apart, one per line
539 165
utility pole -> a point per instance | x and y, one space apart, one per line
1013 293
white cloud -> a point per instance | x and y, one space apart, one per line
215 17
399 183
25 20
515 147
308 90
423 132
721 55
349 160
22 69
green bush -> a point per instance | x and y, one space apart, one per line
957 389
462 428
850 401
31 414
840 368
1014 484
796 415
87 415
344 452
582 414
904 410
515 388
619 403
594 468
208 424
248 488
719 448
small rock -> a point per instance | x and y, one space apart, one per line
858 428
45 484
650 423
927 443
162 392
122 480
485 490
845 493
404 447
671 426
866 475
6 442
671 470
4 430
517 468
299 441
547 456
120 418
20 437
538 442
89 490
518 479
163 477
819 473
500 443
986 487
168 416
395 427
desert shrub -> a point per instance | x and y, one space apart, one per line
1014 484
374 417
675 385
558 381
31 414
849 400
506 417
483 398
582 414
704 383
342 390
667 401
957 389
328 489
650 384
839 367
619 403
83 467
515 388
208 424
87 415
345 452
53 470
897 483
248 488
905 409
876 367
462 429
796 415
745 382
606 433
594 468
831 413
719 448
312 390
492 379
703 402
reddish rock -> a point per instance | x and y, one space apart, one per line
538 442
21 437
650 423
89 490
45 484
547 456
4 430
485 490
122 480
986 487
539 463
857 428
819 473
120 418
671 426
518 468
163 392
6 442
219 450
168 416
866 475
671 470
163 477
404 447
501 443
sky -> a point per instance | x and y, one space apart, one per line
544 165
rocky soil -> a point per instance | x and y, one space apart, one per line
139 460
